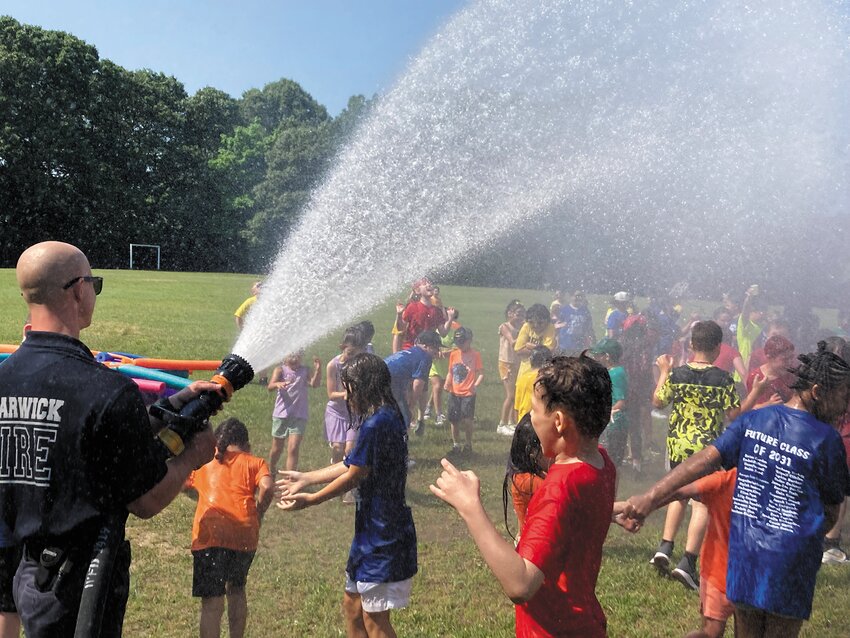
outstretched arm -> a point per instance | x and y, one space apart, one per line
520 579
700 464
344 481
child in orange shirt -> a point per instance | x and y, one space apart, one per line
466 372
526 470
715 491
226 528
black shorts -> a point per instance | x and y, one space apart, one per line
9 559
216 567
460 408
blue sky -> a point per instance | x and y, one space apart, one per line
333 48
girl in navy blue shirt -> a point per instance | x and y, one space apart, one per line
382 560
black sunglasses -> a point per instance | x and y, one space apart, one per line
96 282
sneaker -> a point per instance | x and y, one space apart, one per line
685 576
455 453
419 430
504 430
427 413
440 421
661 562
834 556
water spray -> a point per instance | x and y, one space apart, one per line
180 426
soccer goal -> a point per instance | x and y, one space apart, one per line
146 256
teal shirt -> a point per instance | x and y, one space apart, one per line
619 388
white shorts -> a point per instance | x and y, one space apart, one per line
378 597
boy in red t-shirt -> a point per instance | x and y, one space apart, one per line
551 576
465 374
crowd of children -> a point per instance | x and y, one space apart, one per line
577 409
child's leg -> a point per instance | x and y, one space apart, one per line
455 432
696 527
755 623
278 444
353 613
337 451
506 415
378 624
292 449
437 394
212 609
237 610
673 519
468 427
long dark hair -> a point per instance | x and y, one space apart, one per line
524 459
231 431
368 386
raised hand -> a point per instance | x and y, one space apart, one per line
460 489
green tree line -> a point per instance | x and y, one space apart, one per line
100 156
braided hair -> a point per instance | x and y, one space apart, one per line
822 368
231 431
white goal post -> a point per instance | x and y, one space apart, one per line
134 246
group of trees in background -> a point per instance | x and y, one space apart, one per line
103 157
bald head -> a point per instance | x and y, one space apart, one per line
44 268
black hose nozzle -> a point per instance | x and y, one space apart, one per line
233 374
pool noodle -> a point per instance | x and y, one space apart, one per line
170 380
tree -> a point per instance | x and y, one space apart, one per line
45 135
281 103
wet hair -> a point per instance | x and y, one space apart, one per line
839 346
353 336
367 382
537 312
231 431
581 387
429 338
706 336
292 356
512 305
777 346
368 329
822 368
539 356
524 458
462 335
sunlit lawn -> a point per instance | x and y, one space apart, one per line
295 585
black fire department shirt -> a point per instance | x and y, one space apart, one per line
75 441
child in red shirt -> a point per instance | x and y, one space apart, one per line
551 576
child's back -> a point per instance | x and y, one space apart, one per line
700 398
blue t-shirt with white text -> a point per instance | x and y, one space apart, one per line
789 466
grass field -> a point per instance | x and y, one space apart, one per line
295 585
